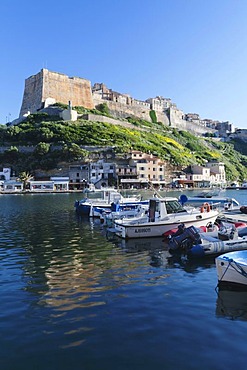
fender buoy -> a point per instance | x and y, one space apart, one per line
205 208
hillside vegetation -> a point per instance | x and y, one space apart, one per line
57 141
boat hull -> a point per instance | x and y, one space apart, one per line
95 209
232 268
215 247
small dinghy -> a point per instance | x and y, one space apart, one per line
193 243
232 269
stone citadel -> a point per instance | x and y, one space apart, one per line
47 87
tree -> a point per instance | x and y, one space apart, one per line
73 152
24 177
42 148
103 108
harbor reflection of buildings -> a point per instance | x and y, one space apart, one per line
79 280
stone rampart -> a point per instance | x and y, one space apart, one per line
176 120
121 111
46 86
240 134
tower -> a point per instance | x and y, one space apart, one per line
57 87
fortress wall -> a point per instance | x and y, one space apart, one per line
64 88
240 134
47 84
119 110
32 96
192 127
178 122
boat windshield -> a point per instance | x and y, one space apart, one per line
173 206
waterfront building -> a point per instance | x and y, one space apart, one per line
141 170
12 186
213 173
78 176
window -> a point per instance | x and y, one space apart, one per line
174 207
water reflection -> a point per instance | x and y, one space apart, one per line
194 265
231 304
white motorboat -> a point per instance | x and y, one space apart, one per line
163 215
232 268
108 217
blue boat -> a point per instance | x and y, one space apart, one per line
110 200
208 198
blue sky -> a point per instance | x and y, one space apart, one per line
192 51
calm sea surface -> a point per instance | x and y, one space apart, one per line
73 297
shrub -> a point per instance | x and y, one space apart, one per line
152 115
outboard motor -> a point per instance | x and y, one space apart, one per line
185 240
227 232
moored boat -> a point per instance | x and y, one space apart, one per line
232 268
108 217
163 215
110 199
211 200
193 243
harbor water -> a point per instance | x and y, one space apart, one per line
75 297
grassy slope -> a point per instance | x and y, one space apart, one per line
180 148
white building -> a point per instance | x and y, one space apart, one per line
54 184
199 175
5 174
12 186
159 104
211 174
217 172
60 183
41 186
102 173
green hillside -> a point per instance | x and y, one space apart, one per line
57 141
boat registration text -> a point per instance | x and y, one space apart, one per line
143 230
